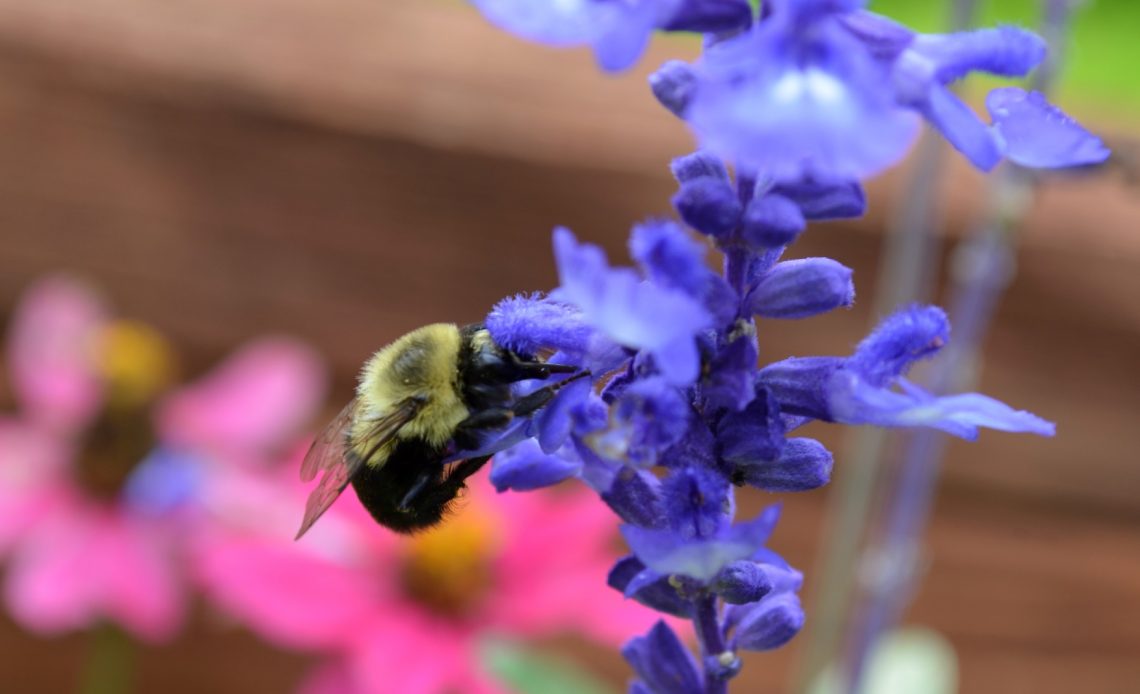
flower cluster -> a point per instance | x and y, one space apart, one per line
102 465
804 100
122 495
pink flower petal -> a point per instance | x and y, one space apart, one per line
332 677
85 565
144 591
53 352
32 464
404 651
288 595
251 403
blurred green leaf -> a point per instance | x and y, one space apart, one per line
528 671
905 661
1098 75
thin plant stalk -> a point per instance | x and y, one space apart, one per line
110 662
909 260
982 269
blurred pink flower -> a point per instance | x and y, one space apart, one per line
400 614
78 555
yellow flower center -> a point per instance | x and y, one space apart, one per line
448 568
136 365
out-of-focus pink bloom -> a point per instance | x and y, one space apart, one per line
398 614
76 557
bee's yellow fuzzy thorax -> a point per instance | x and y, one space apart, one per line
423 363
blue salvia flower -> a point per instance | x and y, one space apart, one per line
673 352
678 412
828 89
617 30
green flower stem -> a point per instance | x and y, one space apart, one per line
110 662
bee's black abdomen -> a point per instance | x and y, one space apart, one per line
382 490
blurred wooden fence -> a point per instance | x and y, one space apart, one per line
347 170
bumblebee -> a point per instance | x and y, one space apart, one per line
431 394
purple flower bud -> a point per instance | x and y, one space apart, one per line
674 84
802 288
742 582
698 164
803 464
772 221
663 662
822 201
768 624
709 205
697 501
728 385
711 16
635 495
800 384
695 449
753 434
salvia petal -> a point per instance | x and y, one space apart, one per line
1037 134
529 323
902 338
667 552
633 313
1006 51
662 661
524 467
648 587
961 127
555 421
854 401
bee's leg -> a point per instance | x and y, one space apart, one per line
537 369
416 489
469 433
463 470
528 404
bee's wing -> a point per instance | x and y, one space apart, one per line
329 453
